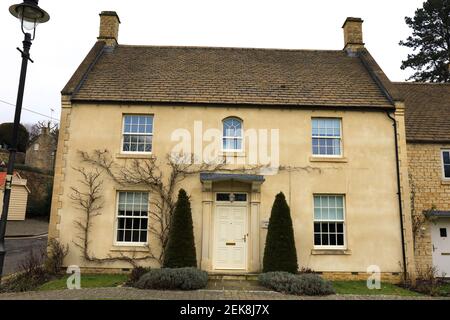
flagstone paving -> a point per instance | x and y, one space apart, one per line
135 294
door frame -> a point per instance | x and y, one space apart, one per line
241 204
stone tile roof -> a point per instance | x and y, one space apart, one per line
145 74
427 111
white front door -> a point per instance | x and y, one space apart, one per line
440 234
230 249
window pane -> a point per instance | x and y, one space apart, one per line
325 241
447 157
317 241
332 227
340 214
447 171
340 239
317 214
223 197
316 227
144 224
143 236
240 197
120 235
332 214
333 241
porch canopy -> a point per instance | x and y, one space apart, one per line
439 214
216 177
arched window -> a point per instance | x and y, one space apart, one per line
232 134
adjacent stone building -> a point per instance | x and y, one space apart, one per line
42 150
428 144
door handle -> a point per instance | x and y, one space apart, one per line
434 248
245 237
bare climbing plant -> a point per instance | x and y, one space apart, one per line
88 199
160 179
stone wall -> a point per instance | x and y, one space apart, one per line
4 156
428 190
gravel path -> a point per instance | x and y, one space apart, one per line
135 294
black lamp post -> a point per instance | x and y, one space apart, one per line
30 15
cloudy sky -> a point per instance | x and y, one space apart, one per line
63 42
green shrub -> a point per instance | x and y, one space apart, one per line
280 253
173 279
136 274
304 284
180 251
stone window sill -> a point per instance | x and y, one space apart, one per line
329 159
446 182
138 249
333 252
232 154
133 155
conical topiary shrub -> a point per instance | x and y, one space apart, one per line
180 250
280 253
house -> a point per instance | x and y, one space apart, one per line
428 146
325 127
19 197
41 151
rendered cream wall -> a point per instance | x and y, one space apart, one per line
368 178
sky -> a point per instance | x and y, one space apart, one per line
63 42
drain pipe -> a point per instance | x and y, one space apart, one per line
399 193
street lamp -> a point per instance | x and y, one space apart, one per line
30 15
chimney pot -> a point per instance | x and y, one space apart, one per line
353 34
109 28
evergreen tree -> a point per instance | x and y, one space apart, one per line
180 250
430 42
280 253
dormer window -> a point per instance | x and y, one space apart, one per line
232 135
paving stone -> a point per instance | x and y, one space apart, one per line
136 294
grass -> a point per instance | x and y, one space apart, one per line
87 281
444 290
360 288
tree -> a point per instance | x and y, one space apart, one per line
430 42
35 130
6 130
180 252
280 253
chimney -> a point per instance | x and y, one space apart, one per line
109 28
353 35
